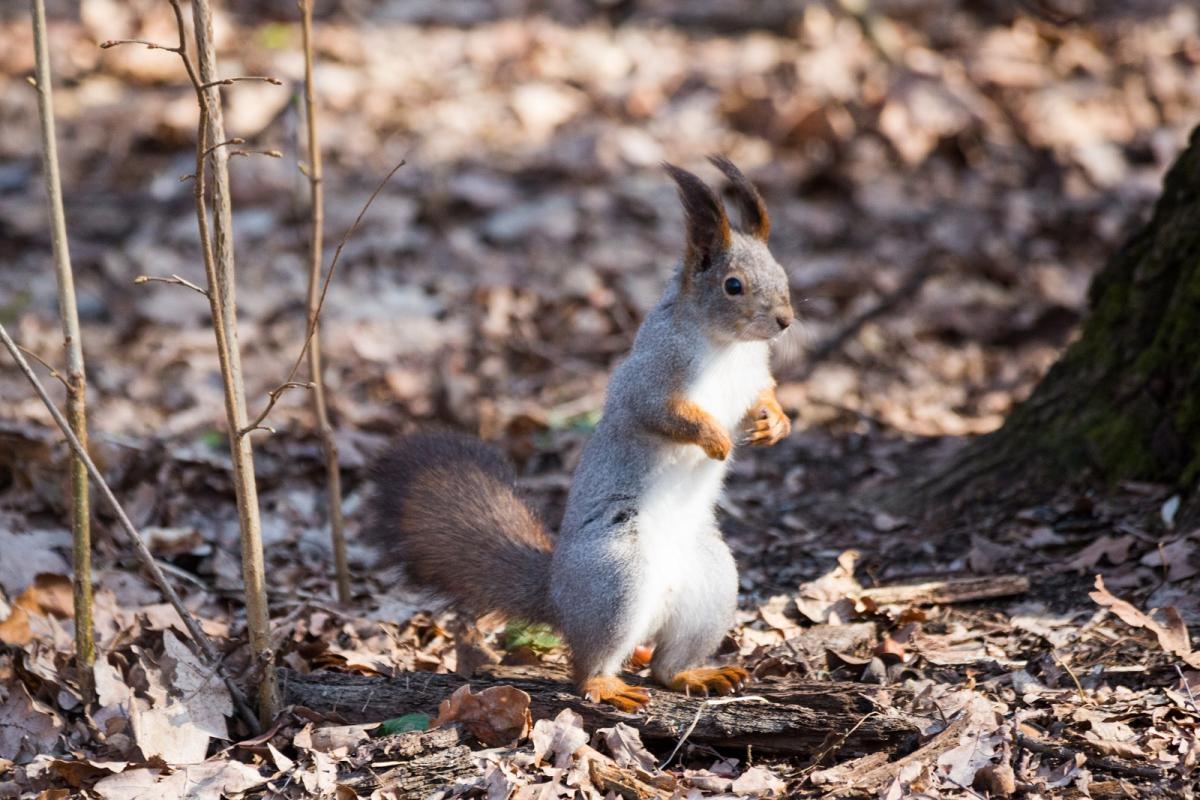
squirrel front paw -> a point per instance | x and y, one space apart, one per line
769 423
716 443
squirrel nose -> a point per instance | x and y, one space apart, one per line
785 318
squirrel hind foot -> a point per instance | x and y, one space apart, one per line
616 692
704 681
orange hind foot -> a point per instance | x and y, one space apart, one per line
616 692
710 680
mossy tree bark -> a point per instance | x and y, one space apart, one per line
1123 402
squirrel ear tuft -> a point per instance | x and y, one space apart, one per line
707 223
753 208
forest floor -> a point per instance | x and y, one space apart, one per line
942 184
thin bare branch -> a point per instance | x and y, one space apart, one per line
207 650
314 317
52 371
76 380
174 279
273 398
149 45
231 81
333 477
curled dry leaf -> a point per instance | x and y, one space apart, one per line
1173 636
819 600
625 744
496 716
559 738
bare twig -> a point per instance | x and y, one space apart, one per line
315 317
76 382
207 649
231 81
50 368
316 373
175 279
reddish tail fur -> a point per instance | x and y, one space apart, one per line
445 510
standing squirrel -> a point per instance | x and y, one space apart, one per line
640 558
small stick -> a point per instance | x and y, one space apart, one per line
76 381
140 279
316 373
198 636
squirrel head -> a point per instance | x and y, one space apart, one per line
729 276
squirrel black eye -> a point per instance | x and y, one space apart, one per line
733 286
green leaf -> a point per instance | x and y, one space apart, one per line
213 439
409 722
538 637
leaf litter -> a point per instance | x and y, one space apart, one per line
990 159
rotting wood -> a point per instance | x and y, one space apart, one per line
799 717
951 590
867 784
414 764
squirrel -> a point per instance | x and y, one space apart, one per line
639 558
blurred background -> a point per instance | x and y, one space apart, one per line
944 177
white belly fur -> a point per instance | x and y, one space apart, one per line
680 500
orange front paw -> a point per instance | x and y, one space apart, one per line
769 423
616 692
716 443
710 680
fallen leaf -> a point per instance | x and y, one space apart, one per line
625 744
1172 637
1180 558
559 738
1114 549
759 782
496 716
819 600
27 726
48 596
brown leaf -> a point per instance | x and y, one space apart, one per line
27 727
826 598
625 744
559 737
496 716
49 596
1172 637
1181 558
759 782
1115 549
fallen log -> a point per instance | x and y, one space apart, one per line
788 717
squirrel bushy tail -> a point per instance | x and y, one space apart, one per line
446 511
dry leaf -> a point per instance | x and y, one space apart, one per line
759 782
496 716
27 726
189 706
1173 637
625 744
559 737
48 596
819 600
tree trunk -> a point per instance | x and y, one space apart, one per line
1123 402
